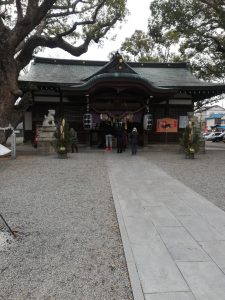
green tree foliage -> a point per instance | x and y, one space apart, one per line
143 48
139 46
183 30
26 25
199 31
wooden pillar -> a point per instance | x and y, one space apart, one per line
167 109
145 138
61 106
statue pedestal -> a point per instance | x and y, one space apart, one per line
45 136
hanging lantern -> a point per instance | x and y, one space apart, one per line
87 118
147 122
87 121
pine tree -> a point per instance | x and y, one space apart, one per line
190 141
62 139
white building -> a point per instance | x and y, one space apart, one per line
206 112
210 116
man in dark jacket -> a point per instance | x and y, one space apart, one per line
119 136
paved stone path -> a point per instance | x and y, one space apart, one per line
174 239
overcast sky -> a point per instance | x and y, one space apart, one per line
138 19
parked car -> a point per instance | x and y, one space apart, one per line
205 133
215 134
219 137
209 135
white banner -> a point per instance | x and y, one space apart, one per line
4 150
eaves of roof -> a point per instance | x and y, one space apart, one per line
118 78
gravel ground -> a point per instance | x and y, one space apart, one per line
68 244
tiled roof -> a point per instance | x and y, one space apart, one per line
74 72
205 108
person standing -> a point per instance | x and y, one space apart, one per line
119 136
108 136
73 138
125 139
101 135
134 141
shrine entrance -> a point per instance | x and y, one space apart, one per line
156 98
114 120
118 103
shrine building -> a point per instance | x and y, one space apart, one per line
154 97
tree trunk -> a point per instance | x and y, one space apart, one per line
9 113
6 105
9 92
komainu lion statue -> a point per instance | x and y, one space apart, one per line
49 119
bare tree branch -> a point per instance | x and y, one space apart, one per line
38 32
33 17
106 27
70 13
1 22
19 10
86 22
26 54
73 5
37 40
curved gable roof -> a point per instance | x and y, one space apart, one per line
111 78
114 66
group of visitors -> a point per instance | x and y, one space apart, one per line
120 134
122 138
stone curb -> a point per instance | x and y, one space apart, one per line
131 266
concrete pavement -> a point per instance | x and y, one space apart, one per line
174 239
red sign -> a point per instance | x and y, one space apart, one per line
167 125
